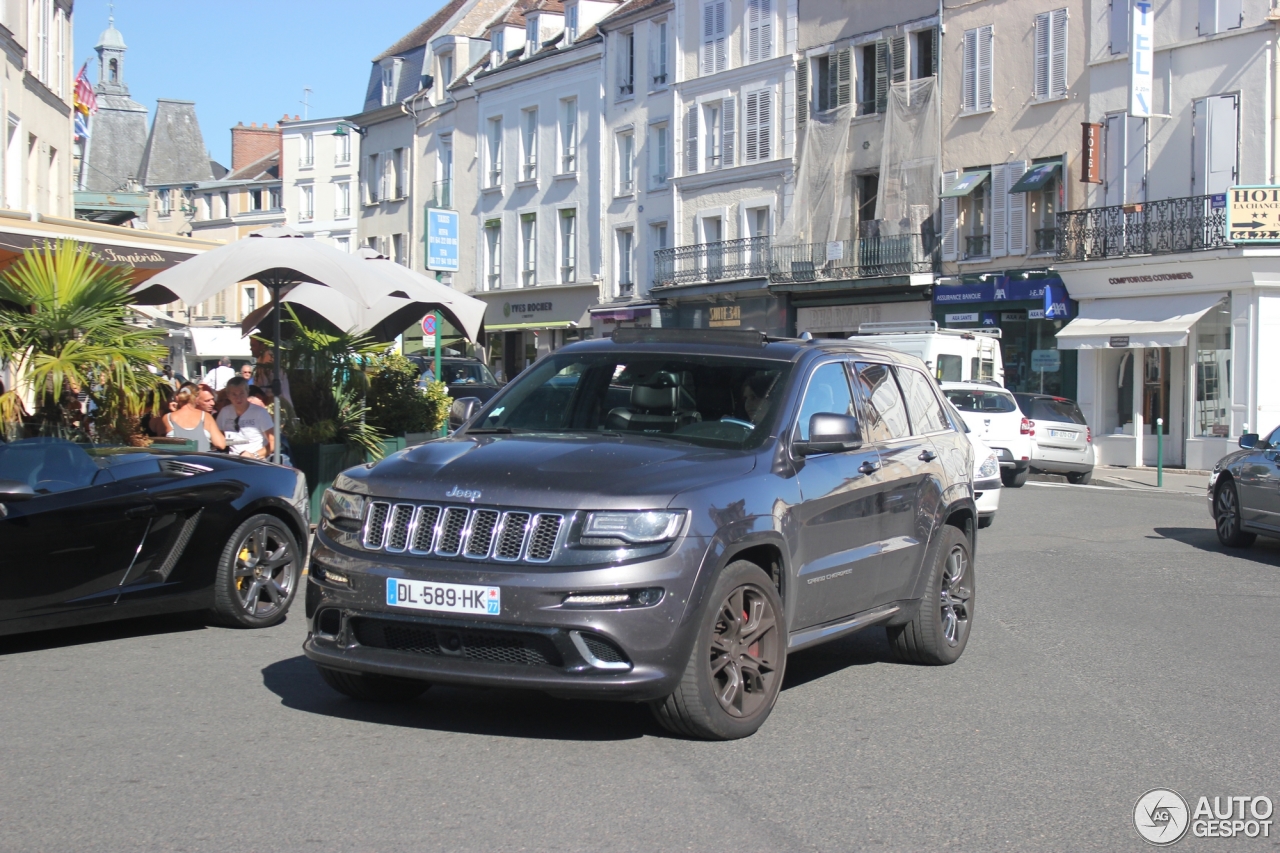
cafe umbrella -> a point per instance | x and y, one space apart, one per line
280 259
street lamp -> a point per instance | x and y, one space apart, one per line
344 128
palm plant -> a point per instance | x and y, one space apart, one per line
63 327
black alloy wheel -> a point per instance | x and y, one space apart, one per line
735 670
1226 511
939 631
258 574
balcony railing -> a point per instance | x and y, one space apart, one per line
1161 227
305 161
706 262
1046 239
977 246
868 257
442 195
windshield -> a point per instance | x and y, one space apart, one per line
1050 409
713 401
972 400
467 374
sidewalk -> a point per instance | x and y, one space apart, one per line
1175 480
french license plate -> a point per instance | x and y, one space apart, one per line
1062 433
449 597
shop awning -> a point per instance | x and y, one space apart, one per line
968 182
1137 321
1036 177
512 327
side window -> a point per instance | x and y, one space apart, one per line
828 391
950 368
47 465
886 416
922 403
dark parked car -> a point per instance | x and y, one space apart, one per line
1244 491
466 377
91 534
662 516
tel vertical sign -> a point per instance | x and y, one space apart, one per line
442 240
1141 58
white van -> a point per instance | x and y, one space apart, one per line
954 355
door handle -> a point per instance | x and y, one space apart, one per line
144 511
869 467
927 456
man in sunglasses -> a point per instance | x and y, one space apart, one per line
249 428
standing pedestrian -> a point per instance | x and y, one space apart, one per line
217 378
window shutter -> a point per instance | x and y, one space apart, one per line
623 61
1058 53
708 38
752 125
844 77
1113 156
691 141
1119 26
933 35
999 211
898 53
1041 89
759 30
1208 17
1230 15
764 138
882 75
766 28
985 37
950 209
753 32
1017 208
802 92
1135 162
728 129
720 56
653 56
969 85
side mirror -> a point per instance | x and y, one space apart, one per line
15 490
830 433
1248 440
462 411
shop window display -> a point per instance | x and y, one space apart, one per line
1212 412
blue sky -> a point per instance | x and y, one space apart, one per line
248 60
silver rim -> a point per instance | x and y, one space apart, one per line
1228 514
955 596
264 571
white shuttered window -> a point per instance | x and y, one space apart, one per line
713 37
759 30
976 81
759 125
1051 55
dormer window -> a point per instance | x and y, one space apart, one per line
496 42
390 80
531 34
570 23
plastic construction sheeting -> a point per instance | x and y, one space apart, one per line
909 162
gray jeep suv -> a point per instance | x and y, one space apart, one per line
659 517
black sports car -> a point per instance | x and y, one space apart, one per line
1244 491
91 533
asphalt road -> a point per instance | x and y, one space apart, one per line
1116 648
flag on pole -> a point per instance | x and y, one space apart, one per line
82 125
85 100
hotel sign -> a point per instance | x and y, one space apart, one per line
1141 58
1253 215
1091 150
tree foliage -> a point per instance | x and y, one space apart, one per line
397 405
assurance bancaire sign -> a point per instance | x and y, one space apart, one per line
1253 214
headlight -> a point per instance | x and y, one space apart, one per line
636 528
343 510
990 468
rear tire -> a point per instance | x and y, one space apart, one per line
1015 479
368 687
939 632
985 521
1226 516
258 574
1082 478
735 670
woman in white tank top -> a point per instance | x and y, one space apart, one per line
189 422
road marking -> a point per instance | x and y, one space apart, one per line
1143 490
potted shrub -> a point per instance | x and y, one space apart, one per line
399 408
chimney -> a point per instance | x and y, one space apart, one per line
252 143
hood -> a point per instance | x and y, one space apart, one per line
564 472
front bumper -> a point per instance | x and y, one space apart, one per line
986 496
630 653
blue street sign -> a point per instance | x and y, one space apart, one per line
442 240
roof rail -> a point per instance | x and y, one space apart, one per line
723 337
921 327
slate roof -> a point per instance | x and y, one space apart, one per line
630 8
175 152
118 140
424 32
266 168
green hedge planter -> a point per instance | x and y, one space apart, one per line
389 446
322 463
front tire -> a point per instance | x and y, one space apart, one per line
370 687
1226 505
735 671
1015 479
939 632
258 574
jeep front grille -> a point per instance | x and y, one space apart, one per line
455 531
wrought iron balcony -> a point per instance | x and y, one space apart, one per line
867 257
707 262
1161 227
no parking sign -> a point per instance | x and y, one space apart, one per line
429 330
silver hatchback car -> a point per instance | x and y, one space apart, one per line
1061 441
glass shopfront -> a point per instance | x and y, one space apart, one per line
1029 312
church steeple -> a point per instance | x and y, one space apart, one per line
111 48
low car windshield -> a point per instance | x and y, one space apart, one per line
708 400
467 374
48 465
975 400
1050 409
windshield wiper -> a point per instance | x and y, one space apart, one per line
490 431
